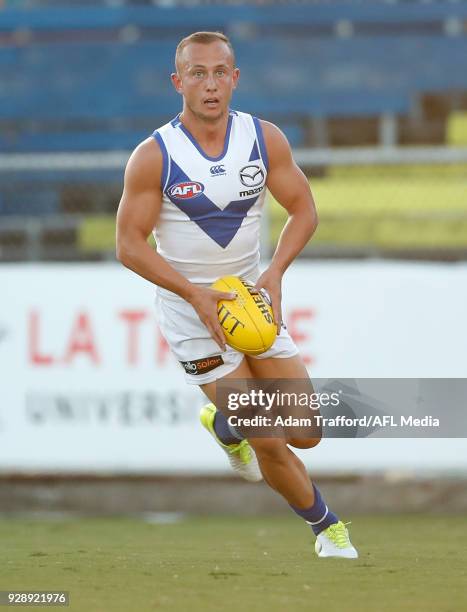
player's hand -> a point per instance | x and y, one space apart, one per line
271 280
204 301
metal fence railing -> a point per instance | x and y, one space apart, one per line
404 202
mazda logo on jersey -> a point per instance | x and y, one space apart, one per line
251 176
185 191
217 170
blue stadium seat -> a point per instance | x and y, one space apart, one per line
21 202
98 81
78 86
71 140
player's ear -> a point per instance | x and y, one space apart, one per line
235 77
176 82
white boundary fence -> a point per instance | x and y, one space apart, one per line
88 384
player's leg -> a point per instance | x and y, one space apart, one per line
281 468
241 455
292 369
332 535
188 338
199 356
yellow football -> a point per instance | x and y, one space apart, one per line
247 321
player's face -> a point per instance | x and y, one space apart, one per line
206 79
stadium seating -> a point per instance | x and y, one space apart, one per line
96 78
100 73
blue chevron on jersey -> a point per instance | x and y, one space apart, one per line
254 155
220 225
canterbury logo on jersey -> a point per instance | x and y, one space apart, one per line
217 170
185 191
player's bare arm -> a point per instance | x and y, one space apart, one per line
138 213
291 189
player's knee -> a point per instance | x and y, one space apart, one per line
269 449
304 442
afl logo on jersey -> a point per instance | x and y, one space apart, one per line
251 176
185 191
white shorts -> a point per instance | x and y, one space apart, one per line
198 354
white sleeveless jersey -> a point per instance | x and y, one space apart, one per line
211 206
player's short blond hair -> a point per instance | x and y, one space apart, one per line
203 38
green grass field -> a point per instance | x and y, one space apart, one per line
416 563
